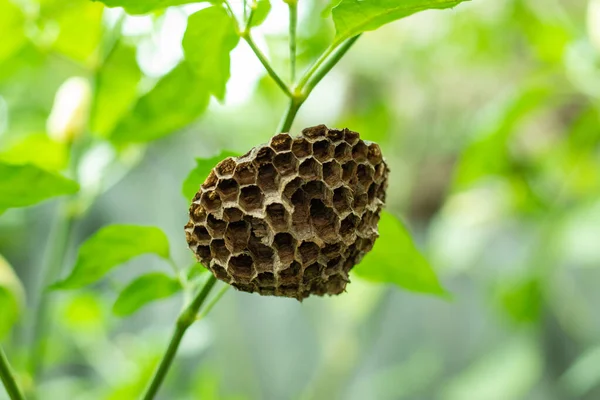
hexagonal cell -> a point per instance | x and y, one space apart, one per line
201 233
291 273
351 137
349 225
220 273
225 168
265 279
281 142
197 213
323 220
364 175
323 150
310 169
343 152
360 202
374 154
211 201
285 163
203 253
342 199
349 171
336 284
365 226
332 173
381 193
251 198
360 152
228 189
315 131
301 214
311 272
215 226
245 173
379 173
334 265
262 254
277 216
365 245
286 246
240 267
335 135
371 193
264 155
232 214
237 235
288 291
211 181
308 252
244 286
268 291
258 227
291 188
301 148
315 190
218 250
331 250
268 178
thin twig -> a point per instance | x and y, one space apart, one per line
293 6
8 378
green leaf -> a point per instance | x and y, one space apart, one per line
80 29
176 100
395 259
12 29
198 175
143 290
25 185
209 38
352 17
116 89
39 150
111 246
145 6
263 7
12 297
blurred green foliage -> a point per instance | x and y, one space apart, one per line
488 114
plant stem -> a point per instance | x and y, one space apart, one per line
265 62
320 72
185 320
8 378
57 248
315 66
293 6
212 303
288 119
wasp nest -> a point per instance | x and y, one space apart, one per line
290 218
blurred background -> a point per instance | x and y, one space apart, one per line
488 115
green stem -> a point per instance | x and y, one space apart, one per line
288 119
265 62
57 247
8 378
293 6
185 320
212 303
315 66
320 72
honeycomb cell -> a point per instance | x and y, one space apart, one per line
225 168
236 236
215 226
315 131
211 201
301 148
360 152
277 217
281 142
323 150
241 267
293 217
268 178
251 198
310 169
228 189
332 173
245 173
285 245
286 163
